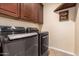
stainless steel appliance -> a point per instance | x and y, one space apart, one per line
14 42
43 44
20 41
42 41
21 45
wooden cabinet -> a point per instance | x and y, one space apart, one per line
35 12
11 9
29 12
40 13
32 12
26 11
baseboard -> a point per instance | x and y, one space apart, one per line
62 51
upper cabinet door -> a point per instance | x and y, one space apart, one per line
11 9
35 12
32 12
26 11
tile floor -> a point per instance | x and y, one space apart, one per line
57 53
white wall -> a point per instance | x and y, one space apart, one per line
61 34
77 31
11 22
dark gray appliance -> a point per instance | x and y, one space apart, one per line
31 30
21 45
42 41
18 30
43 44
14 44
5 30
20 41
